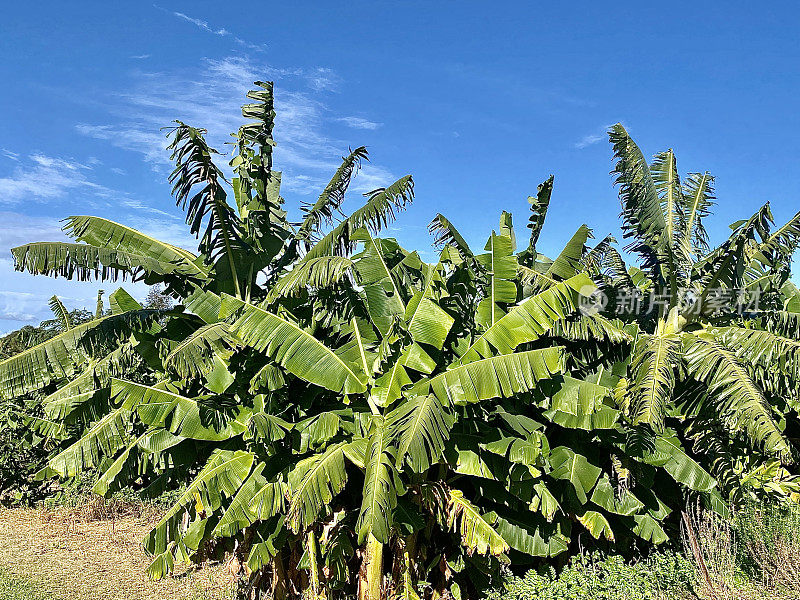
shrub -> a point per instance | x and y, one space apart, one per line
768 545
598 577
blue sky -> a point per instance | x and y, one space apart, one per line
479 101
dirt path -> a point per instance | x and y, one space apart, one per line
97 560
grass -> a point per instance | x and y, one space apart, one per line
92 553
14 587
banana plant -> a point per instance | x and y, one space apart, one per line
715 338
414 430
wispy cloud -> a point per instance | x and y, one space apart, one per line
322 79
588 140
592 138
218 31
9 154
201 24
43 177
250 45
140 56
359 123
212 99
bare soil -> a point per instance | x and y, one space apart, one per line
79 555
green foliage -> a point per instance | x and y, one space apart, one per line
320 389
597 577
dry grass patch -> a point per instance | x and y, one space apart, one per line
94 552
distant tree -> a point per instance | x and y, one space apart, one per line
157 299
22 449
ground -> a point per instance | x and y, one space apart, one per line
69 555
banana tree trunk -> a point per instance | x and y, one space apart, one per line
313 572
279 578
371 573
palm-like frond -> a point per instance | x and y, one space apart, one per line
476 533
530 319
428 323
104 439
270 500
261 117
121 301
539 205
60 312
296 350
698 198
384 300
108 234
239 513
500 265
97 373
422 426
331 198
64 355
642 215
194 167
222 476
784 241
605 261
377 212
80 410
195 356
190 418
726 265
380 485
762 346
316 273
667 182
84 262
445 233
149 450
314 482
498 376
568 262
732 390
653 365
591 327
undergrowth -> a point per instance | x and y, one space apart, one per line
598 577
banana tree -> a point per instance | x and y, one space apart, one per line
404 416
239 248
715 336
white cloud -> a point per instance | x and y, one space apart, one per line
150 143
20 229
212 99
371 177
222 32
201 24
249 45
322 79
592 138
588 140
45 177
9 154
140 56
359 123
209 97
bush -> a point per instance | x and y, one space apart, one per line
768 545
21 455
597 577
